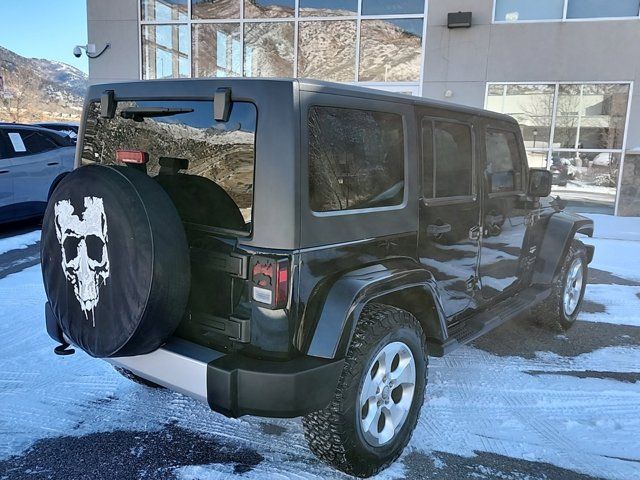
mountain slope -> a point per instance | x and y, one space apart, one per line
40 89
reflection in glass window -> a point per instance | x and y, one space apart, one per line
327 8
356 159
268 8
503 169
165 51
327 50
268 49
602 8
582 171
454 160
392 7
537 159
531 105
514 10
203 9
591 116
161 10
390 50
220 155
216 50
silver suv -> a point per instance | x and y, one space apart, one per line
32 161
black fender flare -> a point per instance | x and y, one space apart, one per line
348 295
560 232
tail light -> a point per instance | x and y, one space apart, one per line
136 157
270 281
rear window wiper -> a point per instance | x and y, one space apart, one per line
138 114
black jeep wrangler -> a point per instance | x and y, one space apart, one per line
295 248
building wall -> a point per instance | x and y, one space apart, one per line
114 22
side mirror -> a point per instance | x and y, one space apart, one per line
539 182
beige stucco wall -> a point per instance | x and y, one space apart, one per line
114 22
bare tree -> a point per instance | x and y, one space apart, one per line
19 89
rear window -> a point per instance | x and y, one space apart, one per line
205 165
356 159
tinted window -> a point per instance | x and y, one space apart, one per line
447 159
215 160
34 142
393 7
602 8
504 166
356 159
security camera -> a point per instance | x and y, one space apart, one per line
90 48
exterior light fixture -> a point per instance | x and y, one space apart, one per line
459 20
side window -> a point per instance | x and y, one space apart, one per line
504 165
4 148
37 142
447 161
356 159
16 144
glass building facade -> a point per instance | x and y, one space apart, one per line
377 42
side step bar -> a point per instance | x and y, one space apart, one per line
469 330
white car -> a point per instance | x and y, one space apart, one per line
32 161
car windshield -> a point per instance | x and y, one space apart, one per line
183 134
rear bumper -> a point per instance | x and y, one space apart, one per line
236 385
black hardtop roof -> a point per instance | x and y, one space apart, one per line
318 86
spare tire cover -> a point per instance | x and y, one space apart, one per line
115 261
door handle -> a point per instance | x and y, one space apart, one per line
3 171
474 233
435 230
51 164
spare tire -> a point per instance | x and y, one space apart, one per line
115 261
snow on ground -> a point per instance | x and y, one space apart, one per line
19 241
559 415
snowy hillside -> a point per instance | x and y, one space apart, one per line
40 89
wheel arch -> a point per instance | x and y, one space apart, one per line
399 284
560 232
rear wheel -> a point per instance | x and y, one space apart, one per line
379 396
561 308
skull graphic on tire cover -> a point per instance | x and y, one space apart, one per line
83 240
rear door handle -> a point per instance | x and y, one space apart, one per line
434 230
3 171
51 164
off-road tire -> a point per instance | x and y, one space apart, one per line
135 378
550 313
333 434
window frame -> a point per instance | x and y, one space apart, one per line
558 20
452 200
523 161
357 211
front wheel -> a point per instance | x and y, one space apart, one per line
561 308
379 395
